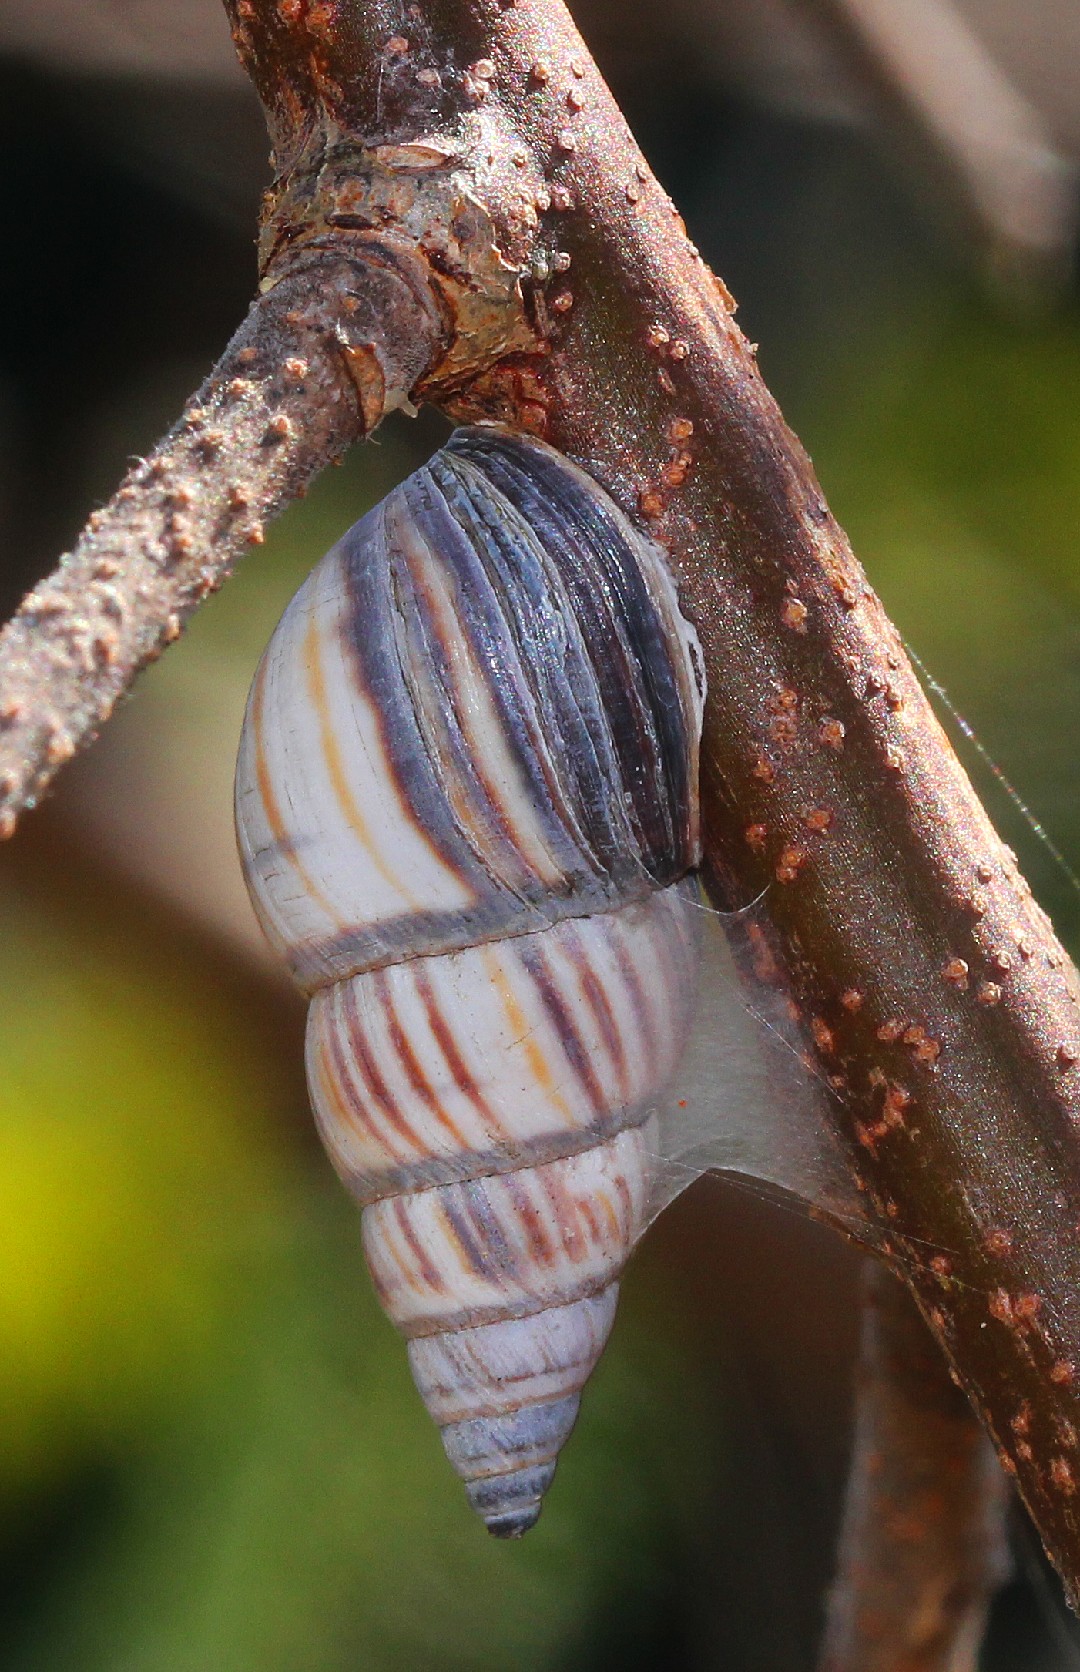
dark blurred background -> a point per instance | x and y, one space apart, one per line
211 1455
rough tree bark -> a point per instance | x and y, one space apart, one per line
497 244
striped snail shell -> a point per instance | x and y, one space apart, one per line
465 796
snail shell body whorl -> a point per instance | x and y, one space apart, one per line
466 793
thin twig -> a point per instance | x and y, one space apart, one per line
281 404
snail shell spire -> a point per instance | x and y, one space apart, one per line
465 796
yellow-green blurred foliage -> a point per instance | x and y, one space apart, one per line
950 450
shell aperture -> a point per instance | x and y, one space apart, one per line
465 797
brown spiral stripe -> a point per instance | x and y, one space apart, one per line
502 1055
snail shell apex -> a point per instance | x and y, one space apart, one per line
466 793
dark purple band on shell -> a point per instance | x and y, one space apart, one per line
478 717
577 660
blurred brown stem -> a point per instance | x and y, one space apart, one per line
509 255
969 126
922 1549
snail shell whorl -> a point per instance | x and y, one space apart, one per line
465 795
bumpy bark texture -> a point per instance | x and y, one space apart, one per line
466 155
280 404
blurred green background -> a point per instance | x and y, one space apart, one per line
211 1455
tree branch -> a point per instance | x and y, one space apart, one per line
471 146
281 403
923 1547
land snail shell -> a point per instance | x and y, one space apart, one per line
465 797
